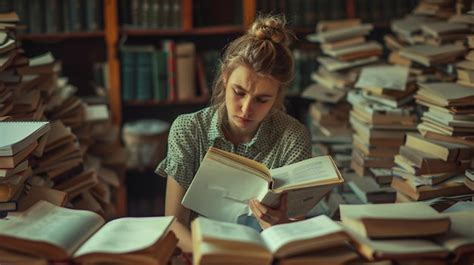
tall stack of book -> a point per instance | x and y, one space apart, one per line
32 90
106 156
432 164
382 113
20 142
344 41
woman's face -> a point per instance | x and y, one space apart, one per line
249 97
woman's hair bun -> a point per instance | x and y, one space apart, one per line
270 28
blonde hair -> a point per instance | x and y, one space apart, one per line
264 48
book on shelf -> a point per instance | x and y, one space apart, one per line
59 234
236 180
414 219
216 241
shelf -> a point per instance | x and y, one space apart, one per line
216 30
153 103
62 36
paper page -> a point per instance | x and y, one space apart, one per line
279 235
319 169
222 191
126 235
216 230
45 222
389 77
14 132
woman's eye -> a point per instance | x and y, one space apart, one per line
261 100
238 93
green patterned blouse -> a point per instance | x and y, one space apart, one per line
280 140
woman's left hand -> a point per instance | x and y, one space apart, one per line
267 216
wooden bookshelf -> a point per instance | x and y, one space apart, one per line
157 103
60 36
217 30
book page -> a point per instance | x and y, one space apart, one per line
44 222
316 170
222 191
388 77
212 230
279 235
126 235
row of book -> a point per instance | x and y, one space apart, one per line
304 13
57 147
417 234
52 16
172 73
151 14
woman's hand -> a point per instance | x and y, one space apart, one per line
267 216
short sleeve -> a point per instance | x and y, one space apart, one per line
298 147
180 158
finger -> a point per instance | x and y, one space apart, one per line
261 215
284 202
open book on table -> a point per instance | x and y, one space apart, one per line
217 242
225 182
59 234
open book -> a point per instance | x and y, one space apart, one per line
220 242
59 234
225 182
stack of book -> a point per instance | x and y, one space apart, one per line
106 156
345 42
329 126
432 164
60 170
20 142
382 112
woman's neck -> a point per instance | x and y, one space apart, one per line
235 136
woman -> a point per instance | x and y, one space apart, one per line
246 117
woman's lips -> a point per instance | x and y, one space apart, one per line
243 120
